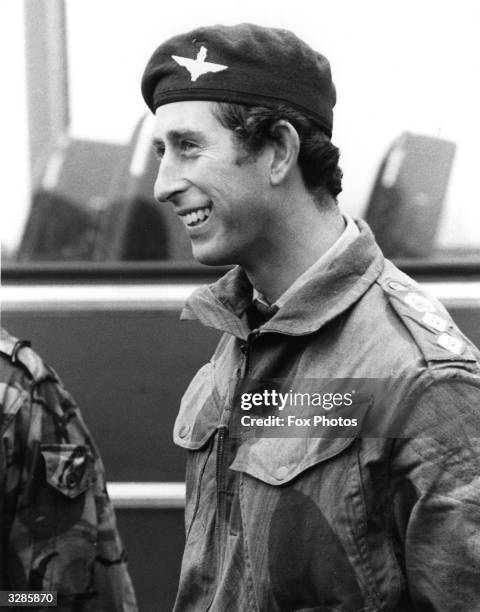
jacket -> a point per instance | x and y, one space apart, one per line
389 520
57 523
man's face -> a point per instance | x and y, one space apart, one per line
224 204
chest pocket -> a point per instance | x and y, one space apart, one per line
68 468
194 429
199 412
277 461
62 515
300 500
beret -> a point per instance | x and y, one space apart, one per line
246 64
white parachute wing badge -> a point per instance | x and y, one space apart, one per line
198 66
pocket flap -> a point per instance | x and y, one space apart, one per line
276 461
199 413
68 467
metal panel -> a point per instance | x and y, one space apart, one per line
147 495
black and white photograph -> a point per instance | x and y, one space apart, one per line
240 306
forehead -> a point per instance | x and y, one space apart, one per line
188 115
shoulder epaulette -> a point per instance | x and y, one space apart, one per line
427 320
19 352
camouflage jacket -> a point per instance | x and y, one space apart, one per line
316 521
57 523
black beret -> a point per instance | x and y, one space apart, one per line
246 64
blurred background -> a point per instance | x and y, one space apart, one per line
95 273
71 97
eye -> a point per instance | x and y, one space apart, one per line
159 151
187 146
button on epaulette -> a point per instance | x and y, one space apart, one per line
429 323
19 352
397 286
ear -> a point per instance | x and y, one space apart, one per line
286 146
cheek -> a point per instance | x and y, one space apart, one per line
212 180
239 193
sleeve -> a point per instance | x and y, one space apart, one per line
61 532
436 493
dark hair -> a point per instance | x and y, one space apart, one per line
254 126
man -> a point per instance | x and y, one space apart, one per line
388 520
57 523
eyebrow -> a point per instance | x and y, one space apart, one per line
175 135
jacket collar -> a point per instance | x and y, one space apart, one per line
325 296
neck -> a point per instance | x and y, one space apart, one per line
295 248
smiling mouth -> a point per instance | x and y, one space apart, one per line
196 217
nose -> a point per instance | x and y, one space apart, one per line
169 182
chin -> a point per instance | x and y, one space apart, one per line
213 257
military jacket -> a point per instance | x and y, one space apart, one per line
57 522
387 521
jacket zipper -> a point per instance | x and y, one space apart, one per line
222 432
221 437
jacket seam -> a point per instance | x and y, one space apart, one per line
390 527
251 585
364 548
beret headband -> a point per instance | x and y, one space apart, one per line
246 64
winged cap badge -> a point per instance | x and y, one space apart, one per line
198 66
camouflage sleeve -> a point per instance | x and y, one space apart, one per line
58 526
437 497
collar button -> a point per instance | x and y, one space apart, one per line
184 429
281 472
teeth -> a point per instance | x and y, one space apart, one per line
196 216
